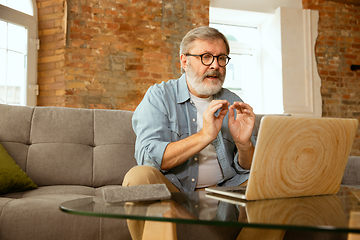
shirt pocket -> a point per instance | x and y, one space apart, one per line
226 135
178 132
229 143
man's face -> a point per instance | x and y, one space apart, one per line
204 81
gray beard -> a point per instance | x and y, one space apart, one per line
197 84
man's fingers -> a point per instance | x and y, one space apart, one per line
218 104
242 108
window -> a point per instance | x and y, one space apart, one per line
24 6
272 52
243 70
13 55
18 52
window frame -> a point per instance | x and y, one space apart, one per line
31 24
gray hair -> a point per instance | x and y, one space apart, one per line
203 33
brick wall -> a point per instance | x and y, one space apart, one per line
51 55
337 48
108 53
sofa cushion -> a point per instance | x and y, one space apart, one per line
39 217
60 164
15 125
114 148
18 119
62 125
12 177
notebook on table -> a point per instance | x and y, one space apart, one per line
296 156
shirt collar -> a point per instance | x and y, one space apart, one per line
183 90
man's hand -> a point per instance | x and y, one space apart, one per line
211 123
241 129
242 126
178 152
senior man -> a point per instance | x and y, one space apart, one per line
191 132
186 128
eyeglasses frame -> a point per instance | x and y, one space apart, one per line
217 58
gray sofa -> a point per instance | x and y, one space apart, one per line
71 153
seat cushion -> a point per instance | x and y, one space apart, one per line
35 214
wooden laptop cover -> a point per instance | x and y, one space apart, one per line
300 156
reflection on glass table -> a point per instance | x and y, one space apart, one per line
337 213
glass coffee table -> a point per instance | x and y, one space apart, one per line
336 213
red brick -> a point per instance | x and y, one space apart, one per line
46 24
155 55
94 44
105 38
77 43
114 26
127 27
86 9
91 72
44 11
58 15
111 12
76 57
135 67
78 64
75 29
97 10
350 56
51 101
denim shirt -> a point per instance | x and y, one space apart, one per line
167 114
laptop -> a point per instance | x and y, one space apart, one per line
295 157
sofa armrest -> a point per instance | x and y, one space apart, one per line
351 174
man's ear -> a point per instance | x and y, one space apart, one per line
183 60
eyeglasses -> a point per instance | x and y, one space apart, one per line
207 59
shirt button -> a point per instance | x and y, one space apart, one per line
196 159
193 180
194 120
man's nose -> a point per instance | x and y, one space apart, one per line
215 64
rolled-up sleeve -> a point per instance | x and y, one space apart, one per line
151 126
238 168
